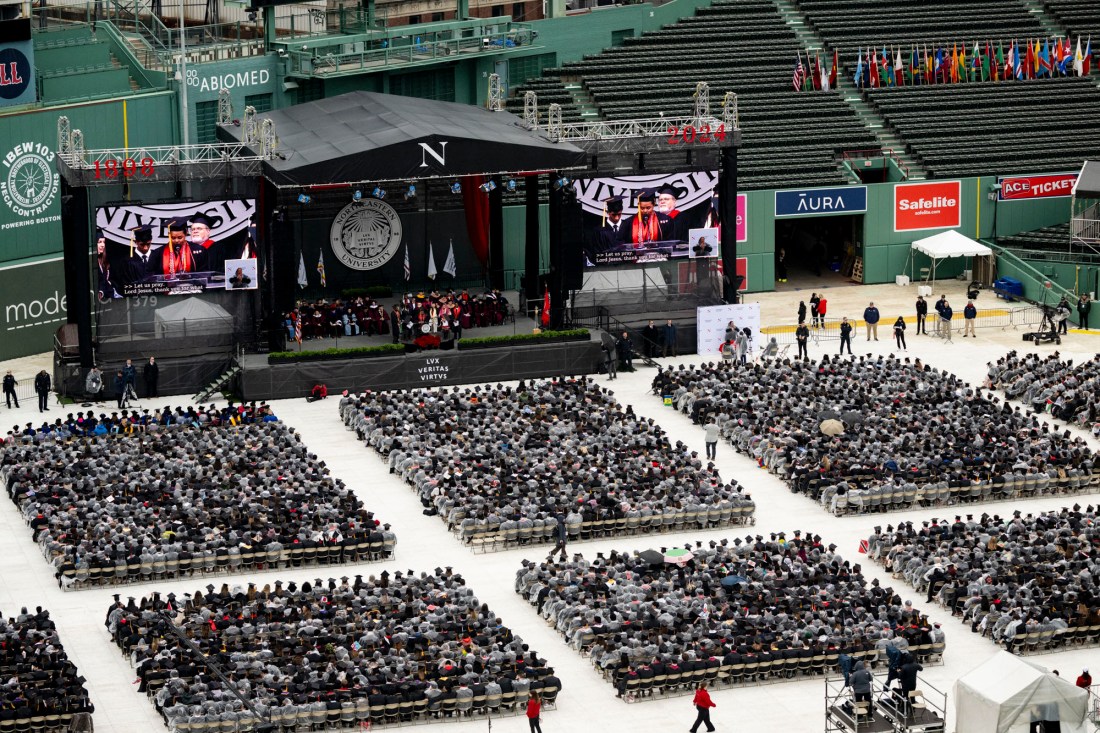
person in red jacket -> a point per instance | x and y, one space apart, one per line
703 704
534 707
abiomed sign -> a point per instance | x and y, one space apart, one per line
821 201
927 206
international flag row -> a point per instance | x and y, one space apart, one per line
955 64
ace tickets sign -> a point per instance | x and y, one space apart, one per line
935 205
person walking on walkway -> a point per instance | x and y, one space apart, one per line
42 388
534 709
703 704
712 435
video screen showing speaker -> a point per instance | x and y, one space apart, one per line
175 248
648 218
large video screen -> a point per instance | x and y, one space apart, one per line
175 248
649 218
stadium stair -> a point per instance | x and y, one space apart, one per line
1051 28
219 382
812 43
583 101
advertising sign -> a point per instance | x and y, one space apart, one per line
1020 188
821 201
16 63
933 205
713 320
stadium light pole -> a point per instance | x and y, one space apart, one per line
183 81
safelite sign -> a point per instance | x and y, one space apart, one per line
927 205
1018 188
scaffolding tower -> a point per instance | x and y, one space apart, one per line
923 710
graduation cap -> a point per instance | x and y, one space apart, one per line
647 196
177 225
143 233
668 189
614 205
203 219
99 233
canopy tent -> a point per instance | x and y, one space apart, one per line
1088 180
1007 694
193 317
372 137
946 245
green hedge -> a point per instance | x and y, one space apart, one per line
277 357
374 291
576 334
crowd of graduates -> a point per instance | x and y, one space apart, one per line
113 498
37 679
722 608
868 432
350 651
1068 391
541 458
1004 576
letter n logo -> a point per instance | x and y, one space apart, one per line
426 150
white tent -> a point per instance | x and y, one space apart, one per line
949 244
1006 694
193 317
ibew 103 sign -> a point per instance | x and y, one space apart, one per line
821 201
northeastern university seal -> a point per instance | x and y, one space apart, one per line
366 234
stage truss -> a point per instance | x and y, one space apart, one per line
214 161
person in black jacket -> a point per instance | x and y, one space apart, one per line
9 389
151 372
801 312
922 313
802 337
845 335
899 333
1083 308
42 389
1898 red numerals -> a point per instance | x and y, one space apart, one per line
127 168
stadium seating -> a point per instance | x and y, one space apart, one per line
1048 239
653 75
848 25
1078 17
989 129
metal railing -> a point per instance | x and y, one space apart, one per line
1002 318
352 54
888 153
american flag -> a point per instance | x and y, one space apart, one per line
298 328
799 74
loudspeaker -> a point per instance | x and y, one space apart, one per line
572 238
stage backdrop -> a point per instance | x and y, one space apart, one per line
712 320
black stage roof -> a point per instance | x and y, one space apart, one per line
366 136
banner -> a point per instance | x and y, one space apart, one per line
1020 188
934 205
821 201
16 63
713 320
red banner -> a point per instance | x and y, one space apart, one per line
1017 188
933 205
